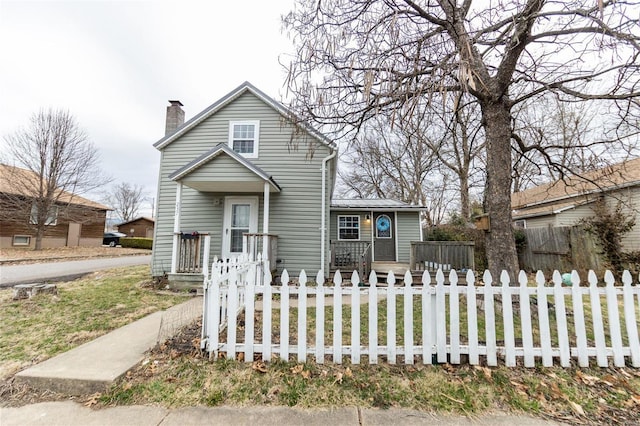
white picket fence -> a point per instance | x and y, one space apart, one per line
438 321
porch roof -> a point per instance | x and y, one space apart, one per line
247 177
373 204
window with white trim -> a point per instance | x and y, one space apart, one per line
348 227
244 137
521 223
52 216
21 240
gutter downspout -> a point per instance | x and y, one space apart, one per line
323 220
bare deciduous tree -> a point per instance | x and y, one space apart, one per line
388 163
126 200
356 59
60 163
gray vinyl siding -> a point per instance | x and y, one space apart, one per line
365 228
408 229
222 168
630 199
295 212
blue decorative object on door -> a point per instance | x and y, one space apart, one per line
383 226
383 223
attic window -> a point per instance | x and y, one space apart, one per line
243 137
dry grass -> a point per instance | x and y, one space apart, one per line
17 255
38 328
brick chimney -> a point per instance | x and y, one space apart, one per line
175 117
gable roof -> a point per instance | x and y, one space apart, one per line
230 97
573 191
11 174
219 149
136 219
376 204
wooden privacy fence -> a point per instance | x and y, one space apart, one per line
427 323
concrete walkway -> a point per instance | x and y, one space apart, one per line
94 366
71 414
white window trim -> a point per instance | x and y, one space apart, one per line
359 227
520 223
28 243
52 218
256 139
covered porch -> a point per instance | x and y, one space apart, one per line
238 193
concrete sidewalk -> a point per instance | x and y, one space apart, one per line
94 366
71 414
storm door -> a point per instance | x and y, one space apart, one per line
240 217
384 240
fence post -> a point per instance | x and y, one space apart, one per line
614 320
454 317
284 316
525 320
337 317
630 318
490 320
266 315
472 318
598 325
355 318
302 317
507 313
373 318
441 318
428 319
408 318
543 320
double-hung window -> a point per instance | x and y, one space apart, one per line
348 227
52 215
244 137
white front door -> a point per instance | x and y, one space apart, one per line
240 217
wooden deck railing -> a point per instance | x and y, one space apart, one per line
254 244
445 255
190 250
350 255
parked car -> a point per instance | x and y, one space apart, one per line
112 239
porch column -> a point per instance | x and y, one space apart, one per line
176 229
265 224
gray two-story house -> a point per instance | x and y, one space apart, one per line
245 177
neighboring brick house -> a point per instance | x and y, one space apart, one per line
75 220
141 227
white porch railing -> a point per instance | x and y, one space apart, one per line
527 323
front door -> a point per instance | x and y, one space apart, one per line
384 239
240 217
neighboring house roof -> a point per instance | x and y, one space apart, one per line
377 204
136 219
219 149
574 191
228 98
10 174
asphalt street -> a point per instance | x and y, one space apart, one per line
57 271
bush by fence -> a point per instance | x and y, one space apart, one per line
133 242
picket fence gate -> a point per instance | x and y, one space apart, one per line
240 308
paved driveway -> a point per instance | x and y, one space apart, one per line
56 271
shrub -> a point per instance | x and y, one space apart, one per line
609 226
135 242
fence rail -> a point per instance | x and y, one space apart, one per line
456 323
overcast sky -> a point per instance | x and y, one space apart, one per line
115 64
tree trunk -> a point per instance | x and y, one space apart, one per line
500 245
465 207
